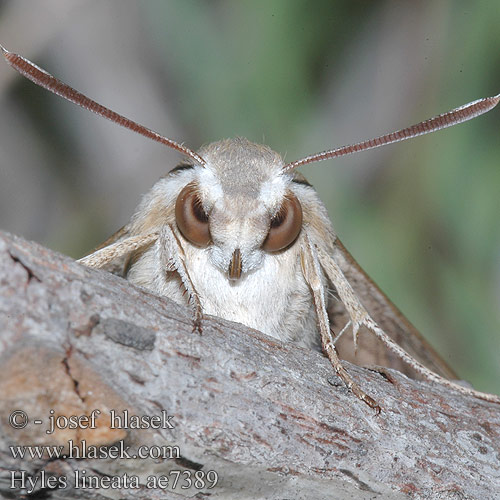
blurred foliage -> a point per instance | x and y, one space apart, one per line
250 66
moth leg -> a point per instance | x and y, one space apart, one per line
116 236
312 274
109 253
344 329
171 256
359 316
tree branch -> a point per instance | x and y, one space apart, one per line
270 418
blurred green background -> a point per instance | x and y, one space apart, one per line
421 217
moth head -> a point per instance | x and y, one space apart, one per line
239 206
193 220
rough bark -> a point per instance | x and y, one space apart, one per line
270 418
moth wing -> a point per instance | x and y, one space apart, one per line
370 351
115 254
117 265
122 233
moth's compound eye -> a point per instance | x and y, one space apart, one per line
285 225
192 220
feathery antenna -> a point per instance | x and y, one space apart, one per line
453 117
49 82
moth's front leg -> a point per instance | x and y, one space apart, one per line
360 317
312 273
108 254
172 258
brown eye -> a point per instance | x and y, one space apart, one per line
192 220
285 225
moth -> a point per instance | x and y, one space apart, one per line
234 231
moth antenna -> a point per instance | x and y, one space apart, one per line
49 82
453 117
